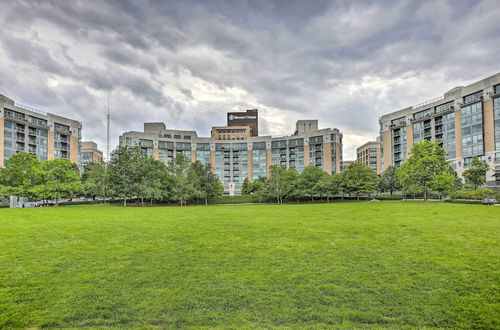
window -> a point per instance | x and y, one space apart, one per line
444 107
474 97
259 146
187 137
423 114
177 136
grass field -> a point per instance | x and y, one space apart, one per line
388 264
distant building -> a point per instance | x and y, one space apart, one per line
465 121
45 135
230 132
249 157
248 118
89 154
369 155
345 164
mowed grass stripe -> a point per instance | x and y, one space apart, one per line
388 264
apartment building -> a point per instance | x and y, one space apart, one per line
465 121
48 136
369 155
89 153
251 157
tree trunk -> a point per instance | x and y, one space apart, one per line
142 201
425 195
328 199
391 192
206 201
124 202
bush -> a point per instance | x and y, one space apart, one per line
478 194
463 201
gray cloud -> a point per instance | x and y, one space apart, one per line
188 62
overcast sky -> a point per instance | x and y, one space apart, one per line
189 62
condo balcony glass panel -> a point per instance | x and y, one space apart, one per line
474 97
183 146
316 139
398 121
203 146
423 114
165 145
444 107
61 127
145 143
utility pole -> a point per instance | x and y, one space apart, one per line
107 134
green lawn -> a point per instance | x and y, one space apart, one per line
388 264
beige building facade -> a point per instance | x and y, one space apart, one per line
369 155
89 153
236 160
465 121
48 136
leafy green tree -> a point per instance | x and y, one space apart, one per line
256 187
206 181
183 188
389 180
94 180
476 174
56 179
358 179
153 180
426 162
281 182
328 186
125 172
306 185
19 174
444 183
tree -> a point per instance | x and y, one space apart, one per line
153 180
256 187
328 186
280 182
56 179
94 180
183 188
444 183
307 182
205 181
389 180
125 172
19 174
476 174
426 162
358 179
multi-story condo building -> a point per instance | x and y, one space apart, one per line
251 157
45 135
465 121
369 155
89 154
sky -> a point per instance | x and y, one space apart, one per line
187 63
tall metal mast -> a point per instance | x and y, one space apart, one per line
107 134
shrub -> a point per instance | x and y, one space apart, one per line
478 194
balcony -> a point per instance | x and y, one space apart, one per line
472 100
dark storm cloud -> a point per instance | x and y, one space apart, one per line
188 62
